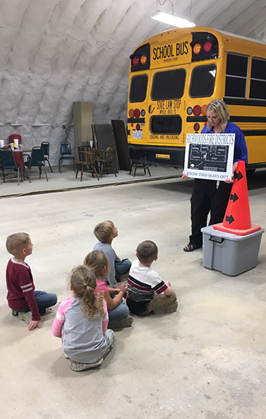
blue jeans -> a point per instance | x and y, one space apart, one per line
121 268
44 300
118 313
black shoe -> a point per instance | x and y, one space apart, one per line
190 247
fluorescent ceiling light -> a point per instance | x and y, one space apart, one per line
173 20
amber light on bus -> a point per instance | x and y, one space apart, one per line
204 110
143 59
197 49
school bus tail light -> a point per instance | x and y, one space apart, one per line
189 110
143 59
136 113
196 127
207 46
197 49
135 61
204 46
140 60
197 110
138 127
131 113
204 110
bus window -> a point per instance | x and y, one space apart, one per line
166 124
202 81
138 88
168 85
236 75
258 79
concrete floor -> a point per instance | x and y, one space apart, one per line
206 361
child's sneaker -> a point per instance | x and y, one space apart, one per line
126 322
78 366
171 308
14 313
26 317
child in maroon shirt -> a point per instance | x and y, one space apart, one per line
21 296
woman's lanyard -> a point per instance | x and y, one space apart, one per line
217 182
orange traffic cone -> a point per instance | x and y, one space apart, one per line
237 218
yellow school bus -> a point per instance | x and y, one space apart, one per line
174 75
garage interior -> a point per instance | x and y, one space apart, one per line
205 361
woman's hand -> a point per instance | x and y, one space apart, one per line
184 175
231 179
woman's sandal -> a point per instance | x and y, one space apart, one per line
190 247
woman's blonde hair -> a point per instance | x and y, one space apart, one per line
219 107
97 261
83 283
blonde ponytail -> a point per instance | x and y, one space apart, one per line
83 283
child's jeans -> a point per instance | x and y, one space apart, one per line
121 268
118 313
43 300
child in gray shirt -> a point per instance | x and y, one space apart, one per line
105 232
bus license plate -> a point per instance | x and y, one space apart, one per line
162 156
137 134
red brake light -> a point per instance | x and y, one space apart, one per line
196 127
136 113
207 46
197 110
135 61
138 127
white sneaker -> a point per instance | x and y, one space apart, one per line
26 317
78 366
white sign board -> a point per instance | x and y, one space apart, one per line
209 156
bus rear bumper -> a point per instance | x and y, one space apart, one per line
164 156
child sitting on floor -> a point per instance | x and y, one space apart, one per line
81 321
147 292
117 310
25 303
106 232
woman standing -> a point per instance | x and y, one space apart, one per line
209 195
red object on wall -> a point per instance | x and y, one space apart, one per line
13 137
